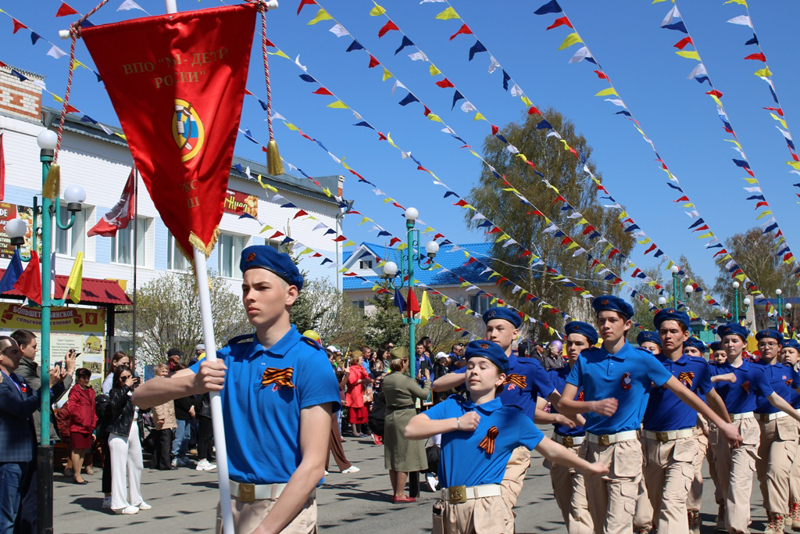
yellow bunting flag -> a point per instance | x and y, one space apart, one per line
280 53
434 117
571 39
765 72
338 105
386 74
321 15
425 309
448 14
75 279
377 10
607 92
478 117
689 54
434 71
526 101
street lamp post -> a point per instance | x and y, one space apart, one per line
675 270
778 317
412 256
74 196
736 300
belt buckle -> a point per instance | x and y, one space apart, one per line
568 441
457 494
603 440
663 437
247 492
732 418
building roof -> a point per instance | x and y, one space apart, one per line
94 291
450 256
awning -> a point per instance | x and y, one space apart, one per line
94 291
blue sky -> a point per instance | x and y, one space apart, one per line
624 36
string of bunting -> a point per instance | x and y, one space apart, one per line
382 232
720 256
674 21
568 241
776 109
627 222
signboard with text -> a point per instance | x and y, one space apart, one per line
12 211
238 203
75 320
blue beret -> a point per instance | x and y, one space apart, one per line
646 335
612 303
671 314
502 313
696 343
489 350
715 346
584 329
791 343
774 334
268 258
732 329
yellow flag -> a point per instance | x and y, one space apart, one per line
338 105
75 279
448 14
280 53
689 54
526 101
763 72
425 309
607 92
321 15
434 71
478 117
377 10
386 74
571 39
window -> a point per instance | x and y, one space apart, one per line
122 244
359 304
230 250
175 260
70 242
479 303
365 264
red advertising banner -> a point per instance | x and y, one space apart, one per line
238 203
177 84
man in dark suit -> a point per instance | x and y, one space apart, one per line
17 435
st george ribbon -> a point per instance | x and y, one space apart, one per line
177 83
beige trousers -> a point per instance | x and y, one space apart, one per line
248 515
695 499
570 493
612 498
514 476
487 515
776 453
735 469
668 473
794 483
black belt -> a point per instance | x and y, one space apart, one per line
395 408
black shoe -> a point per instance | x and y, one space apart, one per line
81 483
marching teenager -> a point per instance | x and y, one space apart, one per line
568 485
526 381
649 340
668 437
790 356
478 437
616 380
278 390
735 466
778 446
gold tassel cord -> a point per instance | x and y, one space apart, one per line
274 163
52 184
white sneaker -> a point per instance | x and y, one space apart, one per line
128 510
351 469
205 465
432 482
107 503
326 473
174 463
143 506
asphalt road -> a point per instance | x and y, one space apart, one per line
184 500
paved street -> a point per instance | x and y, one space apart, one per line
184 500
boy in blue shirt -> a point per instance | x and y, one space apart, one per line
649 340
616 381
478 438
735 466
278 389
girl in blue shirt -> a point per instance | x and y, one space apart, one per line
478 437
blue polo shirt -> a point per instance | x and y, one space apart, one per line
665 411
784 380
626 376
262 423
537 384
462 461
559 379
741 396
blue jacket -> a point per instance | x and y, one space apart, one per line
17 434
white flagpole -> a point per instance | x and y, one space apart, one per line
211 354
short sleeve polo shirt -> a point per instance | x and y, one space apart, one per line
626 376
559 378
262 421
462 461
665 411
784 380
741 396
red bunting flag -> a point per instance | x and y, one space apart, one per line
304 3
533 110
426 111
177 84
716 93
758 57
394 241
18 25
412 306
445 83
276 235
340 239
560 21
299 213
373 62
389 26
680 45
464 29
120 215
322 91
29 282
601 74
65 10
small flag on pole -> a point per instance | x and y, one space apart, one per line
75 279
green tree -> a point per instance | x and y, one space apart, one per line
442 334
385 324
565 172
168 315
330 313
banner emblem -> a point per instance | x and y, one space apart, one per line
187 129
